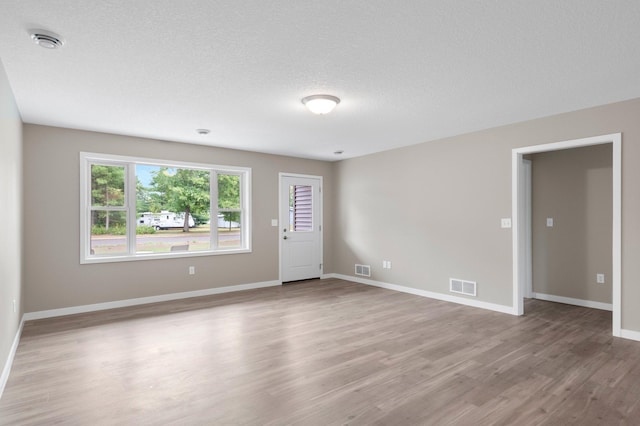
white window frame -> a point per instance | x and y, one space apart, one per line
88 158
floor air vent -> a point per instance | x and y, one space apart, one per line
363 270
462 287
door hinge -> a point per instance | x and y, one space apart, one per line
320 228
320 266
319 189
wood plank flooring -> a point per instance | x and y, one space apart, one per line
325 352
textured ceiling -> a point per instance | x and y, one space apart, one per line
407 72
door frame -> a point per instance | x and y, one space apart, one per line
320 219
519 225
528 238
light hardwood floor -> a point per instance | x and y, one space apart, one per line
323 352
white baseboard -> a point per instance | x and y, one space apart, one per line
630 334
145 300
12 353
432 295
572 301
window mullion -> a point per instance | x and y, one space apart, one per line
130 192
213 207
243 221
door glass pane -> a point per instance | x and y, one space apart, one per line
300 208
107 185
108 232
229 227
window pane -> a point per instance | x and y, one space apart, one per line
165 197
163 232
108 232
107 185
229 228
300 208
228 191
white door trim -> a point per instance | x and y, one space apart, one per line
321 221
528 239
517 207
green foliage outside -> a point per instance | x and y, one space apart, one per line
142 230
120 230
107 185
177 190
201 218
113 230
107 189
186 190
229 197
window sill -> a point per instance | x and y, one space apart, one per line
160 256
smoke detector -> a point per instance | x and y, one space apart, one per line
46 39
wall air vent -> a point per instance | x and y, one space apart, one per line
462 287
363 270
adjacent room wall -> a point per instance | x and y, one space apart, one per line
574 187
434 209
10 218
54 277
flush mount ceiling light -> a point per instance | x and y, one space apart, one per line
46 39
320 104
203 131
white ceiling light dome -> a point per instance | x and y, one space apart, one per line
321 104
46 39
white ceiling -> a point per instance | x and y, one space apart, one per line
406 71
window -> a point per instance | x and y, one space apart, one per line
139 208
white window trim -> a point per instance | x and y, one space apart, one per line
87 158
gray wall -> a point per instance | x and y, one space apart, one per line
54 277
574 187
434 209
10 217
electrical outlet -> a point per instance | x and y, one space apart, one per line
192 270
505 222
388 264
600 278
549 222
274 222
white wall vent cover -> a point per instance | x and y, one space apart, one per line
462 287
363 270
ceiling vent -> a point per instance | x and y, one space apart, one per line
47 39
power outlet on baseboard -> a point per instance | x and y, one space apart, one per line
600 278
192 270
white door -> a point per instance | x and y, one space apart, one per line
300 227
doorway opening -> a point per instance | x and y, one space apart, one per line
522 223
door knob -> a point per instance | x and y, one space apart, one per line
285 237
